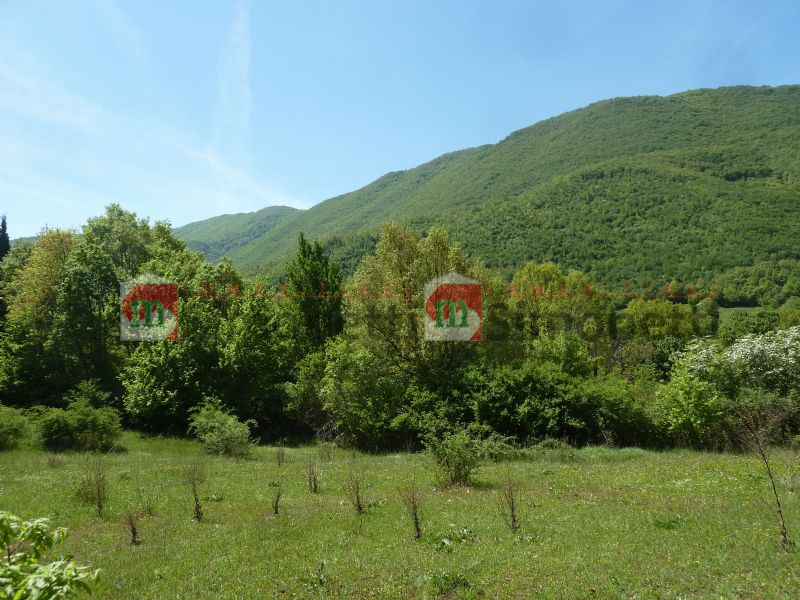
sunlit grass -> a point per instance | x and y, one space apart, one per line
595 522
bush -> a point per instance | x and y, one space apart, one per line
79 427
89 392
530 401
456 456
691 412
364 398
13 427
219 431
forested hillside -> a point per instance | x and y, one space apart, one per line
643 190
218 236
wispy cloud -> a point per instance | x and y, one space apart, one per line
65 155
27 90
231 133
124 32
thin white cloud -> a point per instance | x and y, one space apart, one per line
67 156
27 90
124 32
232 127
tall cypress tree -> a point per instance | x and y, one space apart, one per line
5 244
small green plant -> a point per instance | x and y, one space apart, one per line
442 585
456 456
312 477
23 576
132 520
759 419
669 523
553 450
194 473
147 501
325 450
13 427
447 541
276 498
509 502
355 491
411 497
280 455
219 431
93 484
317 580
55 461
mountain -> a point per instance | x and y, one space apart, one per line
218 236
641 190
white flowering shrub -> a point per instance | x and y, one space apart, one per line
710 383
770 360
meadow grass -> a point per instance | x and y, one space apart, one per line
595 522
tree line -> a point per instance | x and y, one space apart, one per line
324 359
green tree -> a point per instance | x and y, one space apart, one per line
30 370
85 328
652 320
13 262
256 358
706 317
364 397
546 302
123 236
384 308
789 313
741 323
24 576
314 283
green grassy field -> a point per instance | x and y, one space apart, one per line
725 313
598 523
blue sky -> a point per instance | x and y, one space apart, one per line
183 110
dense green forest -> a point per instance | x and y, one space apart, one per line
344 357
691 188
217 236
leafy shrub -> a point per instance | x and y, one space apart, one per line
22 576
567 351
619 418
13 427
79 427
364 397
89 392
664 351
219 431
456 456
530 401
55 430
770 361
691 411
742 323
